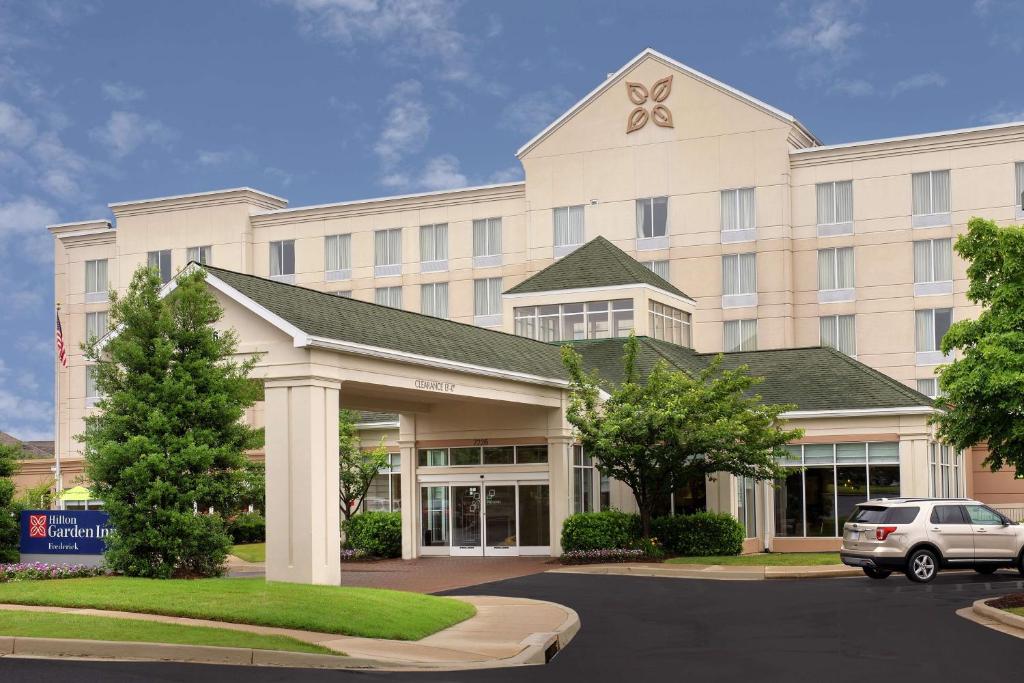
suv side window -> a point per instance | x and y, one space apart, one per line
983 515
948 514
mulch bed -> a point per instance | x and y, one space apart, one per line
1007 601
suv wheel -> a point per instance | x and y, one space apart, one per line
876 573
922 566
986 570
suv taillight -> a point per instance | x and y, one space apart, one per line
882 532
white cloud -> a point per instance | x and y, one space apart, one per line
280 175
219 157
509 174
26 380
438 173
126 131
24 215
122 93
857 87
15 127
929 79
407 124
530 113
23 416
827 28
1002 113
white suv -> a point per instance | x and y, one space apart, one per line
918 536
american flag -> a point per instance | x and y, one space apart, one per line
62 355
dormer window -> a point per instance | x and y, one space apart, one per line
562 322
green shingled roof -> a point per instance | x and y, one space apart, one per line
321 314
598 263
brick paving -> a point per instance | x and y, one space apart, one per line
435 574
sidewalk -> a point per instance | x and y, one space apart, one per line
713 571
504 632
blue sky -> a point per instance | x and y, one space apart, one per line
326 100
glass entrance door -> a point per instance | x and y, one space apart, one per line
500 520
467 521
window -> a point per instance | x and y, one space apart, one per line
344 293
96 284
746 504
486 242
835 269
930 198
593 320
388 296
946 467
933 266
948 514
739 280
434 299
929 386
1018 197
92 394
878 514
387 252
161 260
741 335
583 480
434 515
659 268
487 301
203 255
96 324
669 324
652 223
931 325
338 257
487 455
738 213
282 260
835 208
433 247
819 498
569 229
385 492
983 516
839 332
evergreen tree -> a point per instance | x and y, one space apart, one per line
168 438
9 529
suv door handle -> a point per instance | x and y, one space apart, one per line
937 529
981 531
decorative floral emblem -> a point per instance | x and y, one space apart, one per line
37 526
638 94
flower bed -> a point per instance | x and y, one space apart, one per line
352 554
36 571
605 555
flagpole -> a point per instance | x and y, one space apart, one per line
57 474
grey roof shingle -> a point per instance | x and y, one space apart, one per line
598 263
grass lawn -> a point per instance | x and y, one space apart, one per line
763 559
79 627
366 612
250 552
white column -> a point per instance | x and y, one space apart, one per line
303 535
560 482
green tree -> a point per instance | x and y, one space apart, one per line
670 426
9 455
252 487
983 391
357 467
38 497
168 435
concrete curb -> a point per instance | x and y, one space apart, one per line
986 611
712 572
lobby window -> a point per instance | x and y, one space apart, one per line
739 280
92 394
1018 197
930 327
338 257
282 260
652 223
96 284
388 296
929 386
486 242
835 208
203 255
387 252
96 324
385 492
740 335
659 268
746 504
583 480
835 274
668 324
946 466
930 198
933 267
826 481
471 456
569 229
487 301
433 248
593 320
839 332
161 260
434 299
738 215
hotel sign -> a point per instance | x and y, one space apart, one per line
639 95
433 385
64 532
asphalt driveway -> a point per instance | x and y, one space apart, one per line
640 629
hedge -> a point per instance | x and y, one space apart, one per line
699 534
375 533
248 527
608 530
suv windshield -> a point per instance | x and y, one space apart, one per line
876 514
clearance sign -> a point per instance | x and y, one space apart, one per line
64 532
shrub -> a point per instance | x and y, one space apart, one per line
375 533
608 530
248 527
702 533
595 556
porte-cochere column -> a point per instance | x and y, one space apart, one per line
303 538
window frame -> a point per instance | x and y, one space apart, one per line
491 256
439 262
282 247
740 298
671 319
94 315
740 324
568 247
377 291
434 287
836 293
533 317
97 295
933 355
932 286
836 226
201 254
389 263
493 287
162 258
654 240
836 318
343 247
931 217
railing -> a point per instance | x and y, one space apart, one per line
1014 512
